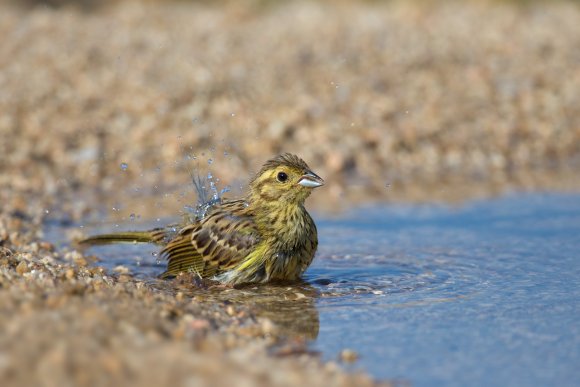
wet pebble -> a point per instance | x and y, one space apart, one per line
348 356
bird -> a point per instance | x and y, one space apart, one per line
265 236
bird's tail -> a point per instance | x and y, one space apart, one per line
157 236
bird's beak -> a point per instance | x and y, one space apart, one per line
310 180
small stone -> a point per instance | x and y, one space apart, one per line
22 268
121 269
299 295
199 324
268 326
70 274
46 246
124 278
348 356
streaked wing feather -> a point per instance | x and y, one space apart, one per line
217 243
182 256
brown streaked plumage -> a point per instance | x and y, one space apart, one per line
266 236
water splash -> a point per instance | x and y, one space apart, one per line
205 184
206 198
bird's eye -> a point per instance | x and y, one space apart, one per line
282 177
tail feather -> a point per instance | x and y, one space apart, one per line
157 236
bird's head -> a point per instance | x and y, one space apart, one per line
284 179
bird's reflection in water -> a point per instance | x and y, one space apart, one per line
290 306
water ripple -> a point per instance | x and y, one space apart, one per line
395 280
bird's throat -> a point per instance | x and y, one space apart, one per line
282 219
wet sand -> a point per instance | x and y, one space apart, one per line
385 101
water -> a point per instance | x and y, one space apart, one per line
483 294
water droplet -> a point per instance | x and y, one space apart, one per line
132 217
189 209
115 209
210 161
155 254
159 219
233 114
194 120
47 211
227 188
226 153
209 176
124 166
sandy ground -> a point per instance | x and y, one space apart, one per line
386 101
65 322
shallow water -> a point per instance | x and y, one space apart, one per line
483 294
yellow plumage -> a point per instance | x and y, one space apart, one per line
266 236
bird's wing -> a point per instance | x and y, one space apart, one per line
217 243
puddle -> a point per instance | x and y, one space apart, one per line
487 293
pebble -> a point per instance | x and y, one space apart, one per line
22 268
348 356
121 269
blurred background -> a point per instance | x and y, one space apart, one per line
109 109
387 100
